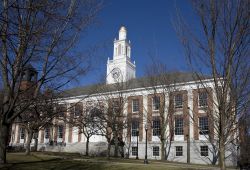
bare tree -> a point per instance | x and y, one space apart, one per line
86 119
220 48
161 82
113 118
41 33
38 116
244 140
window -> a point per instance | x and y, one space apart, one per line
135 127
178 101
204 150
47 133
78 110
22 133
178 126
156 103
156 127
116 107
62 110
203 125
202 99
135 105
156 151
134 151
60 131
178 151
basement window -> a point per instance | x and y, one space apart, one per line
179 151
134 151
204 150
156 151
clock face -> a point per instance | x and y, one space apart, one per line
116 73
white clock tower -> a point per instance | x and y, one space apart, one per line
121 69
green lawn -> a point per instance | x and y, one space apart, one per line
68 161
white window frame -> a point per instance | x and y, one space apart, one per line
133 105
181 129
156 130
154 104
202 130
116 107
204 151
203 102
62 112
77 111
22 133
47 133
155 151
178 96
134 152
134 127
178 151
60 134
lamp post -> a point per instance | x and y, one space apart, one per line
137 134
146 146
188 141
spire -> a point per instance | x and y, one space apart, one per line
122 33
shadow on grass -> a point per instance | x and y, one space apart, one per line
54 164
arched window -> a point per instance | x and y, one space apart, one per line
119 49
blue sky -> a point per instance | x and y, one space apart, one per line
150 28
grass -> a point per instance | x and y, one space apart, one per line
69 161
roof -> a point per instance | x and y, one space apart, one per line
144 82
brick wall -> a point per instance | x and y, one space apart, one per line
199 112
138 115
184 113
152 113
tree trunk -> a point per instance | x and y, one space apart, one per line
4 133
168 146
87 147
36 144
27 147
222 155
163 150
108 151
116 146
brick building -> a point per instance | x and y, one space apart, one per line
187 104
